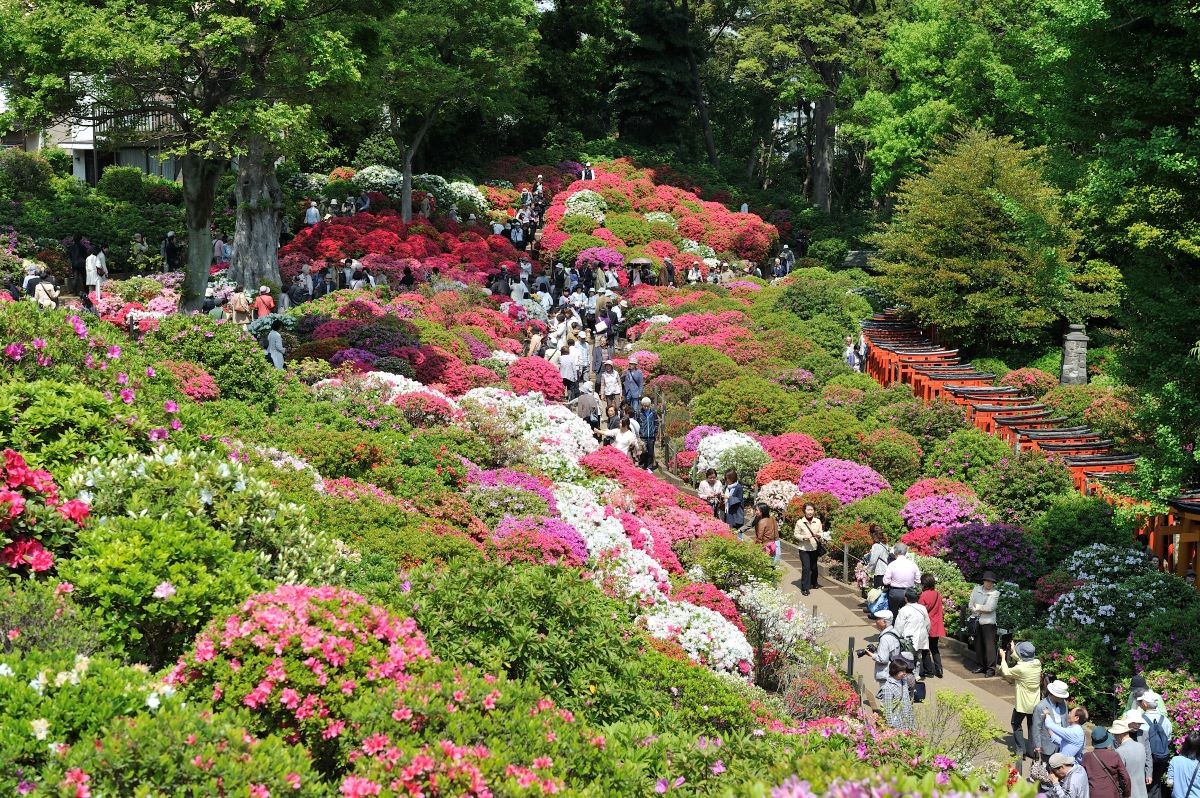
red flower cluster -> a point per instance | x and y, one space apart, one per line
34 523
530 374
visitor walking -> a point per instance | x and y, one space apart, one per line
264 303
312 214
850 354
931 600
1133 756
912 622
1106 773
610 384
982 608
1051 708
94 271
766 531
648 431
1026 674
275 344
1156 732
901 574
239 303
887 649
568 370
633 383
77 255
808 538
879 557
623 438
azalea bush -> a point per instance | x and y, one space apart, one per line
1005 550
965 455
36 525
928 422
748 403
1031 381
1073 522
942 511
847 480
838 432
1021 487
894 454
934 486
794 448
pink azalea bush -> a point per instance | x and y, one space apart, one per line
937 486
296 656
941 511
535 374
540 541
35 525
795 448
847 480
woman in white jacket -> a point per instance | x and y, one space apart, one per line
95 270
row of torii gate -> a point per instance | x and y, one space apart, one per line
899 352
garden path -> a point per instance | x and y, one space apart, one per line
841 607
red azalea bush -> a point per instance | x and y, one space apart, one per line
535 374
706 594
795 448
1048 588
684 461
423 409
777 470
926 541
35 526
937 486
297 656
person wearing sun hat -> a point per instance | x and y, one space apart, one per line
1026 675
1054 707
1133 756
1107 776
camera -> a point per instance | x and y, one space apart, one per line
862 652
1006 639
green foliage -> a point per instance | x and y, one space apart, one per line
929 422
882 508
1072 401
838 431
1073 522
1168 641
1022 486
958 725
830 251
570 249
730 563
75 696
895 454
337 453
23 175
965 455
751 404
177 486
156 583
47 619
701 366
122 183
542 625
56 426
1082 660
817 293
979 247
491 504
233 358
991 365
577 224
631 228
158 754
954 587
1016 610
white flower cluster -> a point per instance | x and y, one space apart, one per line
777 493
709 452
587 203
469 194
705 635
781 623
388 384
556 436
697 249
578 507
503 357
383 179
660 318
1108 609
282 460
1101 562
661 216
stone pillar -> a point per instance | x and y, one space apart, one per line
1074 358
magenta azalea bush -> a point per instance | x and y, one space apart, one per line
692 440
605 256
845 479
795 448
538 541
942 511
999 548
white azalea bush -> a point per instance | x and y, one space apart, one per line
383 179
661 216
777 493
732 449
468 198
1111 607
587 203
704 634
1106 563
775 622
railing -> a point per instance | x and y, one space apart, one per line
132 126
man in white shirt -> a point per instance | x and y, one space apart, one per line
312 214
901 574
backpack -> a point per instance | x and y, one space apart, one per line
1160 746
907 649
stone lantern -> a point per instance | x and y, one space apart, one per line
1074 357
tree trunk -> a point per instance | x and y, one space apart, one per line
259 207
199 193
407 151
822 160
710 144
406 185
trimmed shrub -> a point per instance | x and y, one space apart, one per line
1071 523
748 403
928 423
1000 548
893 453
965 455
1022 486
839 432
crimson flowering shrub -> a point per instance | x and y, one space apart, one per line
786 472
1054 584
1034 382
677 525
35 525
423 409
296 657
795 448
925 541
535 374
999 548
847 480
942 511
936 486
706 594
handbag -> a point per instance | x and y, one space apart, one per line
821 550
972 627
601 326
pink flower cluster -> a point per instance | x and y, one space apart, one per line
941 511
535 374
507 477
539 541
937 486
33 520
795 448
706 594
845 479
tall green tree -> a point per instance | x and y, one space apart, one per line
444 60
230 79
979 247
